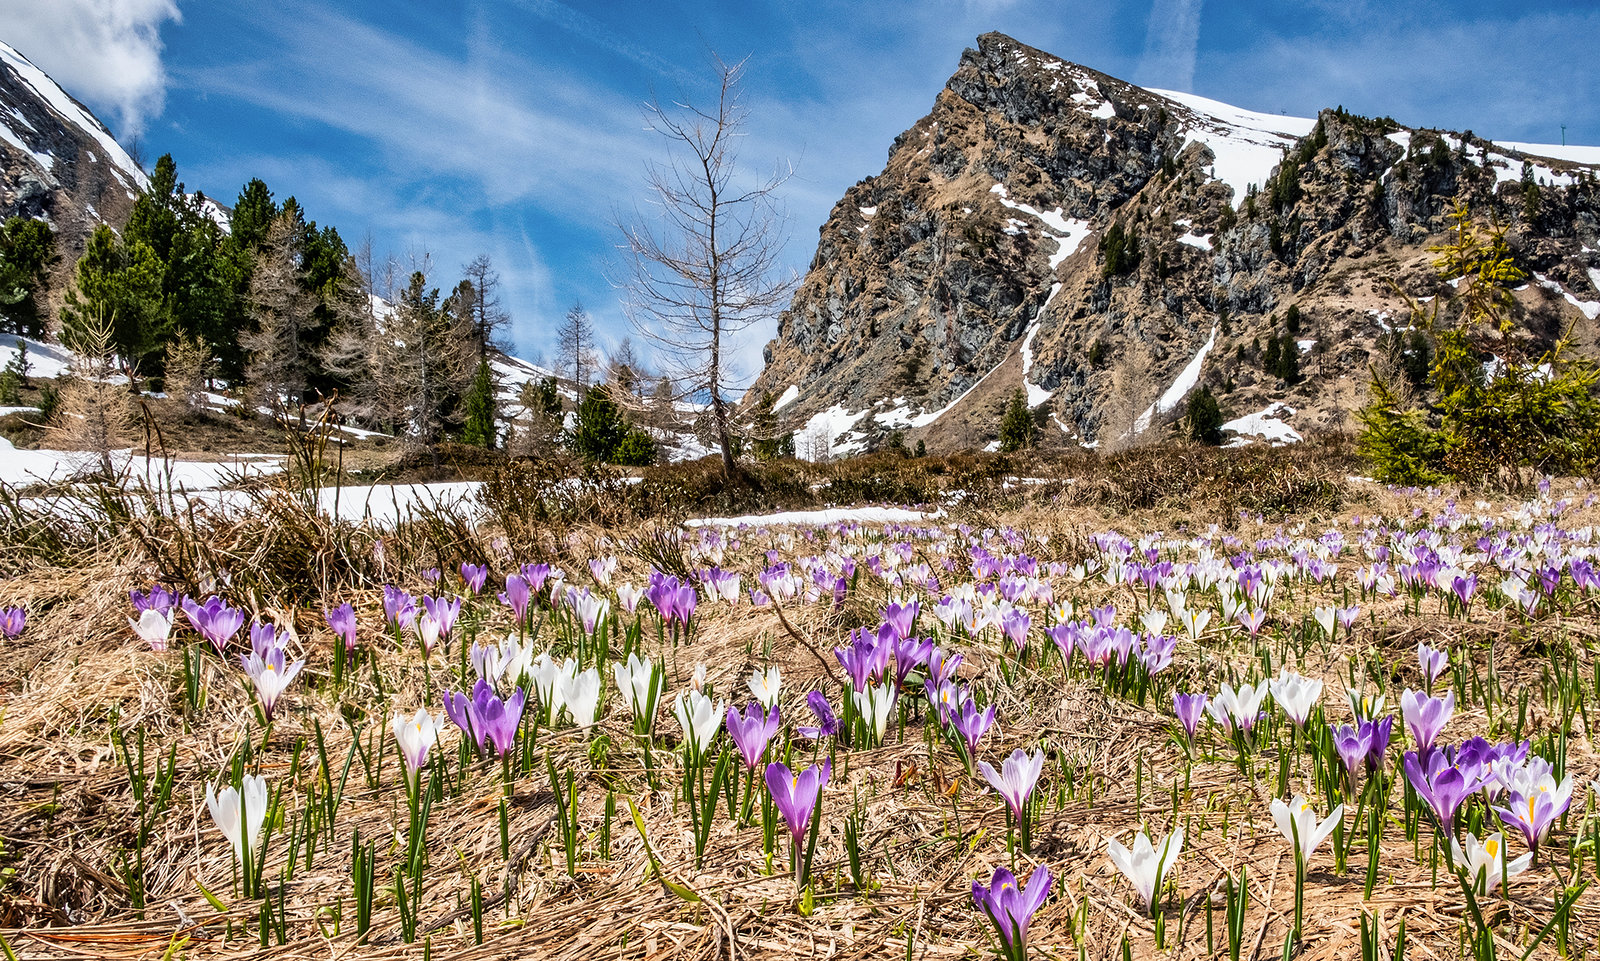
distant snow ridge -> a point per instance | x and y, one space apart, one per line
50 94
1247 144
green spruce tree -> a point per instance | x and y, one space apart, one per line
479 429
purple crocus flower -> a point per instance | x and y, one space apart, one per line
535 575
942 666
516 596
342 620
399 607
1189 707
1425 716
1010 906
1433 663
12 621
752 730
827 721
214 620
1533 811
796 795
1015 779
467 712
1442 785
474 576
1380 729
1015 624
501 719
158 598
972 724
263 638
443 613
900 618
909 654
866 660
1353 744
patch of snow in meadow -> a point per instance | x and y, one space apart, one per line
1305 345
20 468
1196 241
1187 378
818 518
789 396
1265 425
823 434
44 360
1247 145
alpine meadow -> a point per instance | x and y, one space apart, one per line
449 508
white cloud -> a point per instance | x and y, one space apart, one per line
106 53
1170 42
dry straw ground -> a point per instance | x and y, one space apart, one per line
77 675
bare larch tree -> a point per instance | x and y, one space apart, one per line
707 268
575 347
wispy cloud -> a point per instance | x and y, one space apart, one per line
582 25
547 140
1171 40
105 52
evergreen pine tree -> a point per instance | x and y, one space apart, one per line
27 250
1018 430
116 297
479 429
1203 417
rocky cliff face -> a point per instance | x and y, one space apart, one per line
1106 248
57 162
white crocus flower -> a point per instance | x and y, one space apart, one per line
1195 622
1485 861
580 694
547 675
1325 619
1297 695
764 686
225 810
416 735
634 680
874 705
1237 710
1146 865
1297 822
153 627
698 681
1154 621
699 718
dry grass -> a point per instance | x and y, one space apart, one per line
77 675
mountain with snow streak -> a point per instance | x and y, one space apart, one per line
1106 249
58 162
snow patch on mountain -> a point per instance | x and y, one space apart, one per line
1246 144
1036 394
1187 378
1265 425
51 94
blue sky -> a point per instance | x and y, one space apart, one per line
514 127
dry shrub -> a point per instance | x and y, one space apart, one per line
1305 479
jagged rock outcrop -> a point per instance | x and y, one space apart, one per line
57 162
1105 247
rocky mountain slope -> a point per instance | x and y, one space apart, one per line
1107 248
57 161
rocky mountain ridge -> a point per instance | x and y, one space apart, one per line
1106 248
57 161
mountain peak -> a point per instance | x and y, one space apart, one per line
1105 248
